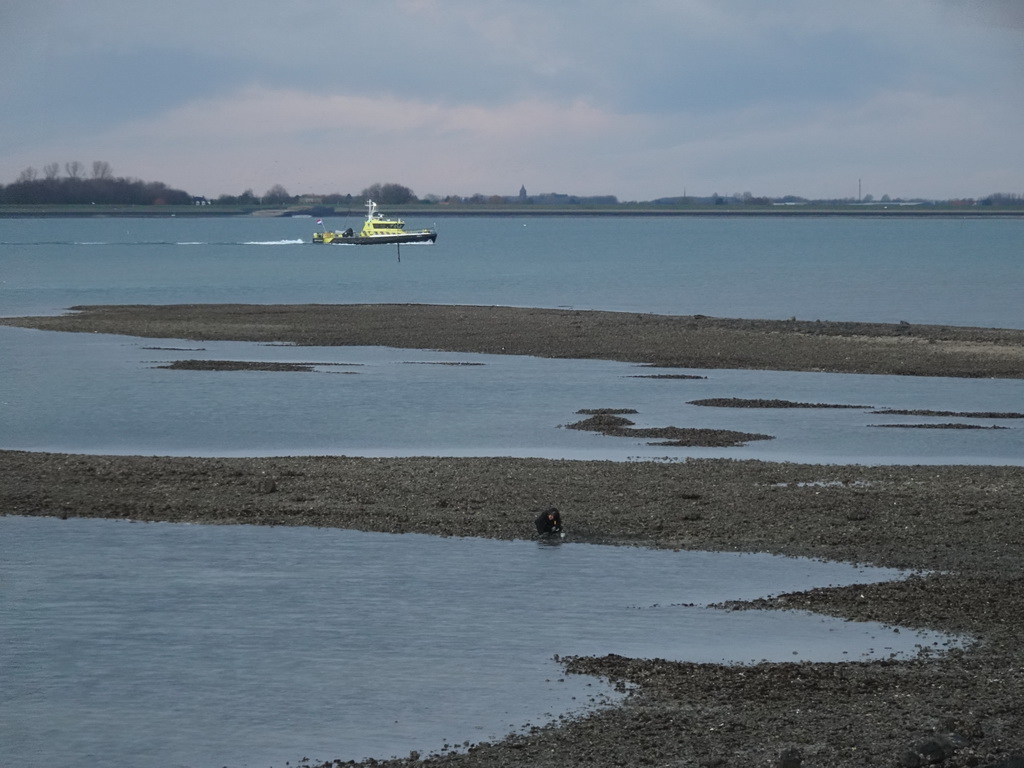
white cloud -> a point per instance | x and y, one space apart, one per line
310 142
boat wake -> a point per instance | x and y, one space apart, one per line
135 243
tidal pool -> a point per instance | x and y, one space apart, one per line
172 645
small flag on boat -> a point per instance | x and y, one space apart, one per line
319 221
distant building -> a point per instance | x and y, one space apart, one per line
522 194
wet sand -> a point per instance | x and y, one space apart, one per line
958 526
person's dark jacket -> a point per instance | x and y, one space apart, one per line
549 521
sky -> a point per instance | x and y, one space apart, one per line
640 99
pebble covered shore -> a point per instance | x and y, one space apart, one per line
957 527
692 341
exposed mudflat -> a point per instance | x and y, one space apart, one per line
610 422
667 341
959 526
739 402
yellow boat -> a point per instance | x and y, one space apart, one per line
376 231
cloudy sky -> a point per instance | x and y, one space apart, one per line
640 98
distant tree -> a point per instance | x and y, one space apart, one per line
1003 199
336 198
246 198
101 170
51 171
73 169
276 195
29 174
389 194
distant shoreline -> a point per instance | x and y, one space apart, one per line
511 210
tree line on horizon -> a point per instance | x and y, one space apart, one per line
75 187
385 194
101 187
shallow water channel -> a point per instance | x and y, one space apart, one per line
168 645
96 393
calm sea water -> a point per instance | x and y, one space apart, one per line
194 646
957 271
130 644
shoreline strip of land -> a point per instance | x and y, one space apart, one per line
667 341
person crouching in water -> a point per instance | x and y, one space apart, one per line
549 522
